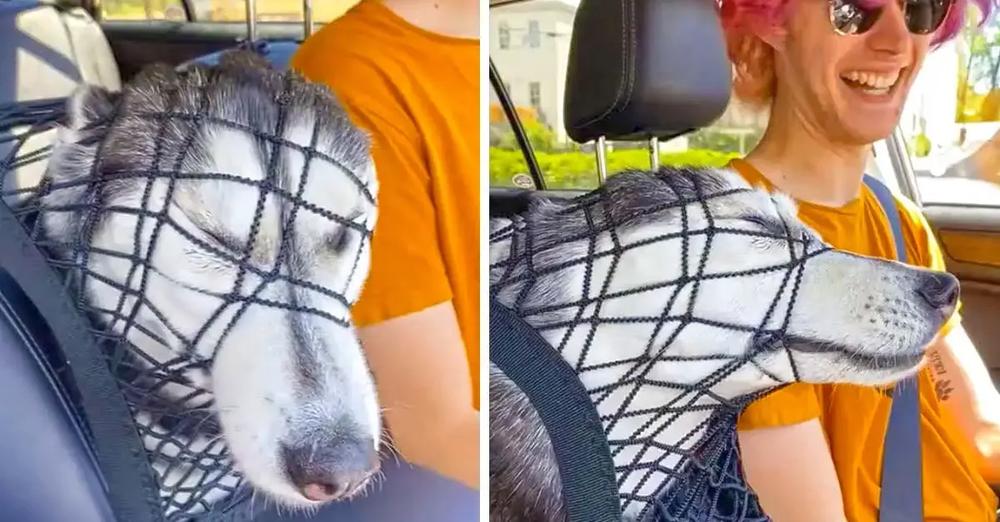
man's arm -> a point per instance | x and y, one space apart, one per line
964 386
407 323
422 374
792 472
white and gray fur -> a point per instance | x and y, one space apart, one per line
855 320
289 380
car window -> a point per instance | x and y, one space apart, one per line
269 10
143 10
953 109
529 43
222 10
507 165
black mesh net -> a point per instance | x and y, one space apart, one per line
111 206
630 314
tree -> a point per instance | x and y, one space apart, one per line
541 137
979 81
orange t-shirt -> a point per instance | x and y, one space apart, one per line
417 94
854 417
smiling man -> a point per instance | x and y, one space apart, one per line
834 75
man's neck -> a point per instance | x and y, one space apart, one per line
453 18
796 158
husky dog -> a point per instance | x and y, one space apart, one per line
679 272
218 220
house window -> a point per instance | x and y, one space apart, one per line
534 34
504 35
535 94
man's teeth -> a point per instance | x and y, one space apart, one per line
873 80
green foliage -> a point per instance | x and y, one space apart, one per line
578 170
920 145
712 139
541 137
984 61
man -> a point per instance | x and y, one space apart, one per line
833 75
408 73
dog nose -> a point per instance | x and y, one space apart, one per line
940 290
332 469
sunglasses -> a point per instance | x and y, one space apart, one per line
922 16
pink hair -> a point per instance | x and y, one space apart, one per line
769 14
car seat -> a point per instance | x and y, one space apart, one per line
277 52
637 70
68 443
51 470
46 50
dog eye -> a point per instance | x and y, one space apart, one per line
223 240
217 237
337 241
340 239
768 225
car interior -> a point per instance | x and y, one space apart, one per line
49 47
49 367
650 102
664 105
647 101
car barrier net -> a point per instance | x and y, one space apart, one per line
125 159
661 474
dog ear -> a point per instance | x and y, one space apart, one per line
89 107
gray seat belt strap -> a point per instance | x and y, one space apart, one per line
901 498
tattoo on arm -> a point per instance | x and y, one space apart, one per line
942 384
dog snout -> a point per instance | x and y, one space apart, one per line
940 291
332 469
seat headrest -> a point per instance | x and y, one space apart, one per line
645 68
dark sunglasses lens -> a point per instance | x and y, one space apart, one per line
848 17
926 16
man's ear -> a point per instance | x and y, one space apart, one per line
774 37
753 67
90 106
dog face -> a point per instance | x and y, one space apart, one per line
717 269
845 318
675 297
246 274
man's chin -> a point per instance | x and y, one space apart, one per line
865 134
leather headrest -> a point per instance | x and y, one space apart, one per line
644 68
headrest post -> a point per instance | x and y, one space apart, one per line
602 160
251 20
307 18
654 153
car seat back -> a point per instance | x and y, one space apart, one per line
46 51
49 471
645 68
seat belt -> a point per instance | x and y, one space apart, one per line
901 497
586 468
